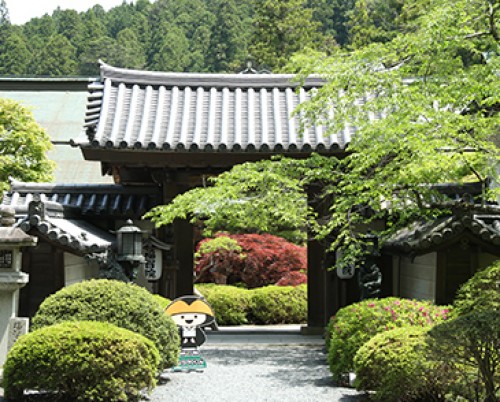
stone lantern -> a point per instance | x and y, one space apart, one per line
12 240
129 249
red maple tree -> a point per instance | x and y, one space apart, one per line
256 260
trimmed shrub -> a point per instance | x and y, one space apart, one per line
355 324
230 303
254 259
470 345
81 361
394 364
278 305
481 292
163 301
123 304
206 289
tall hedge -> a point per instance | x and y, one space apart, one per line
124 304
81 361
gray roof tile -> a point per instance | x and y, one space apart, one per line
478 222
74 234
84 199
131 109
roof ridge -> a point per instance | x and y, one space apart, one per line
187 79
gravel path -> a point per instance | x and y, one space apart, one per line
256 373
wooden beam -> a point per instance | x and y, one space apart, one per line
178 159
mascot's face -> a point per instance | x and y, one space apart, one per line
190 311
189 319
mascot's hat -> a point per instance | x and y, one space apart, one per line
188 305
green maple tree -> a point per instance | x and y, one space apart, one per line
23 146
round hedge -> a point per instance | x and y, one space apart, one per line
395 365
479 293
81 361
355 324
163 301
124 304
279 304
230 303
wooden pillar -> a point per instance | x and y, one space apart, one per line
336 289
177 275
183 255
317 276
326 292
316 290
166 284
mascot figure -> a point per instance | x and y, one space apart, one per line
191 313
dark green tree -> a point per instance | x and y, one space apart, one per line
4 13
173 52
102 48
57 58
142 6
142 29
128 52
14 53
69 24
5 26
159 20
196 21
228 47
281 29
199 49
42 27
374 21
94 25
120 17
333 16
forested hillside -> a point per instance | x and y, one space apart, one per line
192 35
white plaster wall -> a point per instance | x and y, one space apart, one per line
77 269
417 277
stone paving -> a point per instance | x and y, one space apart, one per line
258 364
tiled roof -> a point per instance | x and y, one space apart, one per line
46 219
62 213
85 199
75 234
423 237
130 109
